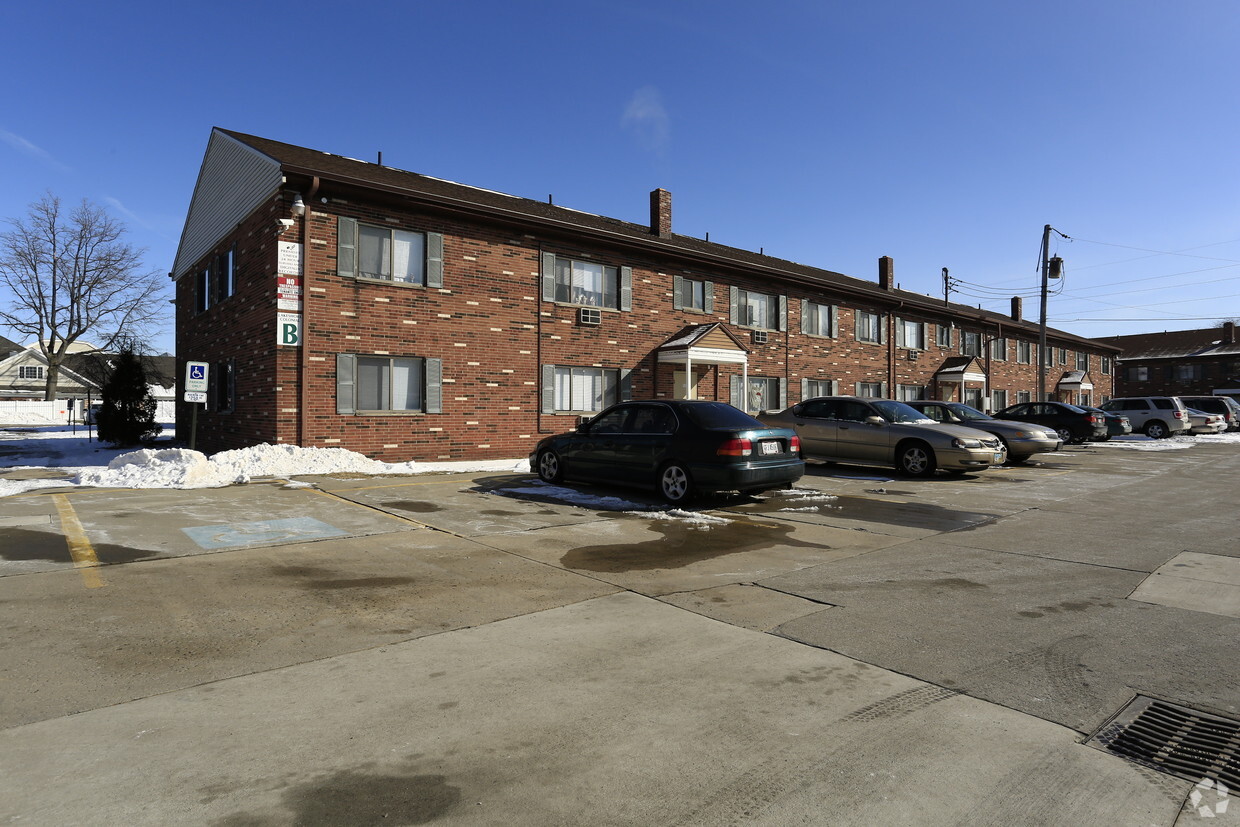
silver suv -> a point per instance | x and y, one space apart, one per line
1156 416
1225 406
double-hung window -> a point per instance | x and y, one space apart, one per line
1024 352
1138 373
876 389
377 384
580 389
1082 361
998 350
943 335
818 387
367 251
586 283
693 294
818 319
998 400
30 372
970 343
910 334
910 393
764 311
869 327
1105 365
1187 373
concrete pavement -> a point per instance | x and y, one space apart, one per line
890 652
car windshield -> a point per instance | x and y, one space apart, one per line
965 412
899 412
718 416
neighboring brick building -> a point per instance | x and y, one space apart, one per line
1178 362
349 304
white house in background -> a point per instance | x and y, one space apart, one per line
23 375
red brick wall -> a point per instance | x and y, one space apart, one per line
493 332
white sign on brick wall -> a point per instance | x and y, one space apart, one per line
288 329
289 258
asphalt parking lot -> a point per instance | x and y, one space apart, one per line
485 649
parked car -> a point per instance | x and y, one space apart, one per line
680 447
1073 424
1201 422
92 413
1224 405
1117 424
1155 416
884 432
1022 441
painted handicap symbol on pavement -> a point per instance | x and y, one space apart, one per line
263 532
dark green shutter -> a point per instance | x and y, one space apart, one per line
626 288
345 363
678 286
434 386
346 247
708 303
434 259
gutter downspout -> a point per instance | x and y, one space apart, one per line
303 366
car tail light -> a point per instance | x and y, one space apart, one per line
794 444
1093 419
1179 414
735 448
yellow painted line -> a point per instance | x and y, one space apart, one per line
401 485
80 549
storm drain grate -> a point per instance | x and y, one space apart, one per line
1176 740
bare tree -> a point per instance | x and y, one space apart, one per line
71 274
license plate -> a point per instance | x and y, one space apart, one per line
770 447
999 458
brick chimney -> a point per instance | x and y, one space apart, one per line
886 273
1229 333
1018 309
660 213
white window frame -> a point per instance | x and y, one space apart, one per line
1024 352
813 317
910 393
971 340
395 236
998 399
1104 365
910 334
586 283
585 389
943 335
1023 397
1082 360
869 327
876 389
751 304
998 350
30 372
694 295
397 374
811 388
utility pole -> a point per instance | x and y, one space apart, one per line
946 287
1052 268
1046 243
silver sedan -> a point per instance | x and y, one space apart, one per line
884 432
1023 439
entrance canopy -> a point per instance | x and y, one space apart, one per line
1076 380
706 344
960 369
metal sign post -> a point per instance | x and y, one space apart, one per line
196 375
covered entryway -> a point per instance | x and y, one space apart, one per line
953 377
1075 387
687 356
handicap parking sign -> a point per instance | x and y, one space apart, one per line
196 376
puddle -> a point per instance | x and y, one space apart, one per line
321 579
414 506
865 509
681 544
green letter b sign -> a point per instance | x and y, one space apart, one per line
288 329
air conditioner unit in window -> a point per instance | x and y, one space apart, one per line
589 315
759 337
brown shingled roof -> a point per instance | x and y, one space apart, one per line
298 160
1174 344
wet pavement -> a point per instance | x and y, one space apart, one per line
488 649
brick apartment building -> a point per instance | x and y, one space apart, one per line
343 303
1178 362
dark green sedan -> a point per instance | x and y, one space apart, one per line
679 447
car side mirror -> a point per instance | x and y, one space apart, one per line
875 420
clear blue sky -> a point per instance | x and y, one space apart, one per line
829 133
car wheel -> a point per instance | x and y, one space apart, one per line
1065 434
916 460
550 468
1156 430
674 483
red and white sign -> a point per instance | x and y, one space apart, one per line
288 293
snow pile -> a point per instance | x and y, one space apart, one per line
181 468
570 496
696 520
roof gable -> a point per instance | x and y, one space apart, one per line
233 180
